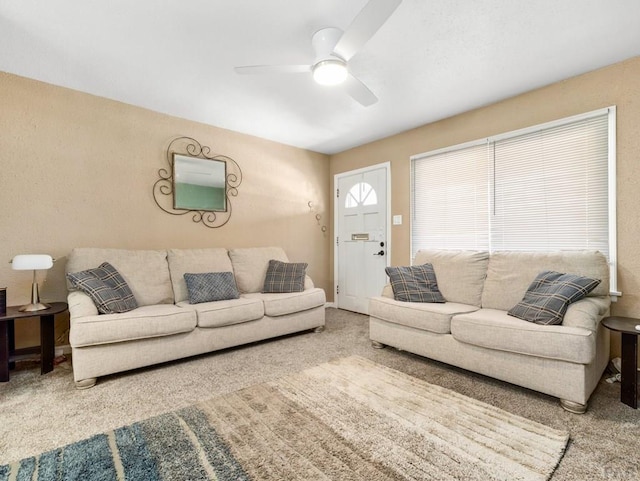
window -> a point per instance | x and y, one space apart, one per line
450 200
549 187
361 194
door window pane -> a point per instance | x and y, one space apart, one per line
361 194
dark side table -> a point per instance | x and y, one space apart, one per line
629 371
47 338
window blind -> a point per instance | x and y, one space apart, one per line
543 188
550 189
450 200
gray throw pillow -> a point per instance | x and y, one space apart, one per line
415 283
549 295
211 286
106 287
284 277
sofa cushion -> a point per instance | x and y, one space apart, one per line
495 329
182 261
146 271
284 277
433 317
211 286
414 283
510 273
141 323
250 266
460 273
549 295
289 303
226 313
106 287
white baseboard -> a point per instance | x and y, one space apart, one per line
329 304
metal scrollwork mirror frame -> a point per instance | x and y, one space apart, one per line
164 187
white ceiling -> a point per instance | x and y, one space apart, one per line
432 59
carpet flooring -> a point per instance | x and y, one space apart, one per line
40 413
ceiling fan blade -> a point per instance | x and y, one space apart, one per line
359 91
270 69
364 26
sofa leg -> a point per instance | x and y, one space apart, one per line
573 407
319 329
377 345
86 383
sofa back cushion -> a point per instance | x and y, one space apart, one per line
195 261
250 266
146 272
510 273
460 274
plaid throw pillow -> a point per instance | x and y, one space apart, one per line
284 277
106 287
549 295
211 286
415 284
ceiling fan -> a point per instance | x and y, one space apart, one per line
334 48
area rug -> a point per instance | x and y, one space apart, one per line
349 419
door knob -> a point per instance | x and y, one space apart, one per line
381 253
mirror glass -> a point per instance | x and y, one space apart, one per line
199 184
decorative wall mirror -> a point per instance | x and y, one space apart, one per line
197 183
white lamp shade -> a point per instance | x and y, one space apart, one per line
31 262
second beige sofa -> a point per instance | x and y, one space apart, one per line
472 330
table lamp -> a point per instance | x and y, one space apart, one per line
32 262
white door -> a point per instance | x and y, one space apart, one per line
362 248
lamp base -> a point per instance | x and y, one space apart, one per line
35 304
34 307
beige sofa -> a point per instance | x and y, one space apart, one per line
165 326
472 330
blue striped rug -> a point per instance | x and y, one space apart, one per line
178 445
348 419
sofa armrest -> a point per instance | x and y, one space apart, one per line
81 305
308 283
587 313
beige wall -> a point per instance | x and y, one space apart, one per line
78 170
614 85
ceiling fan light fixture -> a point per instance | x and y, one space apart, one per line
330 72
